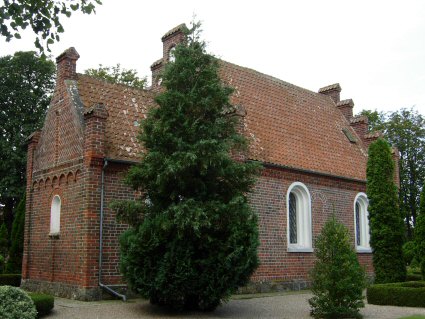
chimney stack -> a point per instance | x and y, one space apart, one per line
333 91
346 108
66 64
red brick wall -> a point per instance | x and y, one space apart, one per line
269 200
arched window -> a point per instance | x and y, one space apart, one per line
361 223
55 215
299 218
171 56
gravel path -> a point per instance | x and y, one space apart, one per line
287 306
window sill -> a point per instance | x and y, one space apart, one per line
363 250
300 250
54 235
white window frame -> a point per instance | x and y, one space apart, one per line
364 246
304 224
55 214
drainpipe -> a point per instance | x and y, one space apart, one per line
107 288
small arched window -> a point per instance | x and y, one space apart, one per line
55 215
361 223
171 56
299 218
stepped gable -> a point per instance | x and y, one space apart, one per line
126 107
294 127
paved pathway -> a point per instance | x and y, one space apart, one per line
287 306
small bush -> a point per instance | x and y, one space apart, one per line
43 303
16 304
338 279
407 294
10 280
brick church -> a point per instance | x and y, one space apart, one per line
313 151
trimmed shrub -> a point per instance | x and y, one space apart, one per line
43 303
406 294
338 278
10 280
16 304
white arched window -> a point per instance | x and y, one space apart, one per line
361 223
55 215
298 205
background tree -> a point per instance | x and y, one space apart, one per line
386 224
338 279
42 16
14 263
420 234
115 74
26 82
405 129
194 237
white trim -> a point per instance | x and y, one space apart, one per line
55 214
304 219
364 246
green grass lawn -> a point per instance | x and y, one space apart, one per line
414 317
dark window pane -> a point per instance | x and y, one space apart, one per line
292 219
358 224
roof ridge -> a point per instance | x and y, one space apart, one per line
110 83
271 78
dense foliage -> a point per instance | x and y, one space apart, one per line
420 234
26 82
14 263
405 129
115 74
386 223
403 294
42 16
16 304
194 237
338 279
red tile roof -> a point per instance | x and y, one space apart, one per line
294 127
286 125
126 108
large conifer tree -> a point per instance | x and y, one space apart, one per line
194 237
386 223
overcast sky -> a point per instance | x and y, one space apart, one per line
374 49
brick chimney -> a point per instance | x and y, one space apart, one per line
169 40
333 91
346 108
360 126
66 64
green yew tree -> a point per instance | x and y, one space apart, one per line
338 279
386 224
194 237
14 264
420 234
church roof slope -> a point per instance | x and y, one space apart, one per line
294 127
126 107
